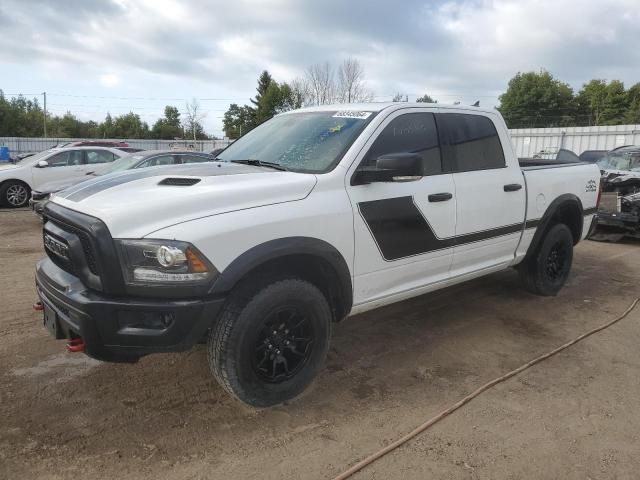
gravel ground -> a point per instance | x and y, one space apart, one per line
575 416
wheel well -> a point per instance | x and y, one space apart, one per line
570 214
15 180
315 270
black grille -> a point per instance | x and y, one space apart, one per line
65 265
85 242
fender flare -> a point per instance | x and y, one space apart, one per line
280 248
542 224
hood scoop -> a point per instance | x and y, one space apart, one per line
179 182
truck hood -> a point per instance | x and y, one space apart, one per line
136 203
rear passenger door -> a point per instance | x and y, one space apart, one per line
490 196
403 229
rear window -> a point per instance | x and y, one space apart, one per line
469 142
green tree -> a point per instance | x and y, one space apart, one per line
264 81
426 99
238 120
130 125
633 100
537 100
591 101
616 104
168 127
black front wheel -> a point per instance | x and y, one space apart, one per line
546 272
270 341
14 194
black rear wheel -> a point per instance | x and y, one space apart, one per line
546 271
270 341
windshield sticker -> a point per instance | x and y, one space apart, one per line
352 114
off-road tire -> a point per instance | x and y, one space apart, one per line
231 344
537 273
8 188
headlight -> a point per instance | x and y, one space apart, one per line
164 262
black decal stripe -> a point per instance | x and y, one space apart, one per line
535 222
400 230
91 187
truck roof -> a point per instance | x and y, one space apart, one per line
379 106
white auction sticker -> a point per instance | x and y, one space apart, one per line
352 114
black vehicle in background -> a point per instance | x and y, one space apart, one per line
619 211
592 156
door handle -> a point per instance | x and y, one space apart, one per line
512 187
440 197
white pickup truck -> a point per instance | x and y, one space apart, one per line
315 215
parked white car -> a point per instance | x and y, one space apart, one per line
17 180
313 216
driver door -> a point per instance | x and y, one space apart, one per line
404 230
66 165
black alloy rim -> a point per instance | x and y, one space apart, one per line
557 261
283 346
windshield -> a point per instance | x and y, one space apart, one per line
626 161
123 163
36 157
310 142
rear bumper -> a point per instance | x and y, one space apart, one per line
619 222
122 329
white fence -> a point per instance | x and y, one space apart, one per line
19 145
528 141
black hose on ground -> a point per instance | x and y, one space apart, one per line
432 421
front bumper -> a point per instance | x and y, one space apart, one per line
122 329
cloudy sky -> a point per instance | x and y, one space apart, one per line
94 56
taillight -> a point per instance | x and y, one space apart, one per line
599 194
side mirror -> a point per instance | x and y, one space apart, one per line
42 164
392 167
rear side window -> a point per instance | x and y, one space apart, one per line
193 158
99 156
160 160
469 142
409 133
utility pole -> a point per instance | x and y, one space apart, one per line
44 94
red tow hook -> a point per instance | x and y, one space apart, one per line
75 345
38 307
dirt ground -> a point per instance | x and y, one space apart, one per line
575 416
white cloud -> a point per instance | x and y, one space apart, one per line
109 80
451 49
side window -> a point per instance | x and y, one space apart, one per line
99 156
66 159
161 160
192 158
409 133
469 142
